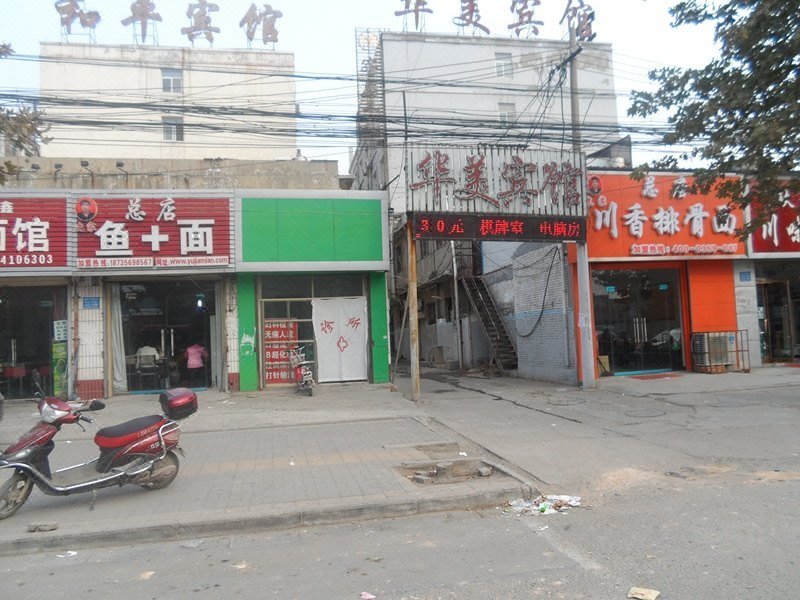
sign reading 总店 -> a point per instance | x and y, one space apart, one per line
657 219
145 232
496 180
33 234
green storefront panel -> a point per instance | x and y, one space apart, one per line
248 334
379 327
312 235
311 230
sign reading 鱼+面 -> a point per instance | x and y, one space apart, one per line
140 232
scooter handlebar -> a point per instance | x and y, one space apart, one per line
87 419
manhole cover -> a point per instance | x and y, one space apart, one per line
645 412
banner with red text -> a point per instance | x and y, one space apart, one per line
340 330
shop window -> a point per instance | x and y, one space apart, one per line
33 330
300 310
338 285
275 310
287 311
286 286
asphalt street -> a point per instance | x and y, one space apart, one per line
688 485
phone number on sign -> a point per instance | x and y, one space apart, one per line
682 249
26 259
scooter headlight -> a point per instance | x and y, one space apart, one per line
50 414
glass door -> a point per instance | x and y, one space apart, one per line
637 315
167 333
33 337
776 320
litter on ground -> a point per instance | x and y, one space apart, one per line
643 593
543 505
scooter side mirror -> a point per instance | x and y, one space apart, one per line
96 405
36 380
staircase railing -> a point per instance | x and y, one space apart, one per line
504 353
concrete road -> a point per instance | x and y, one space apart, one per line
474 556
690 486
688 537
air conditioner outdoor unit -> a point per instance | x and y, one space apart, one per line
713 349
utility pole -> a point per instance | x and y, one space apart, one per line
585 319
413 322
411 295
456 308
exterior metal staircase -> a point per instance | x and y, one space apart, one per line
504 353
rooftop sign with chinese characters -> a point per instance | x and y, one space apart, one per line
33 235
145 233
495 227
657 219
495 180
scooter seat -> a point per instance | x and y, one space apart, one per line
123 434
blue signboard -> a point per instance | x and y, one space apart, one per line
91 302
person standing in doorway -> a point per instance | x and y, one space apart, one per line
196 355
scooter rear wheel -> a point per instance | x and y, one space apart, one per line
164 472
14 492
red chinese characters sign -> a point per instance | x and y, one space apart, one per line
658 219
279 338
495 180
152 232
780 233
33 234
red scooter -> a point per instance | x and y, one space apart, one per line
140 451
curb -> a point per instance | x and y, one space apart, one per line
289 520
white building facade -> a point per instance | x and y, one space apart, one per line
439 91
167 103
423 88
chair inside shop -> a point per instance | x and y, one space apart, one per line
147 371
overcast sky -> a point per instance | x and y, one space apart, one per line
321 34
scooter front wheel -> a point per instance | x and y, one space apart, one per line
164 472
14 492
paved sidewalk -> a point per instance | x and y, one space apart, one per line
268 460
262 461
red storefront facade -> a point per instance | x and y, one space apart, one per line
92 278
662 269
